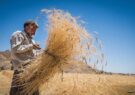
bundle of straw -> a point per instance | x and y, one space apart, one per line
68 41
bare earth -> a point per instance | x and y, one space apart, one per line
79 84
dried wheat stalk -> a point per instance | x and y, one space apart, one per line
68 41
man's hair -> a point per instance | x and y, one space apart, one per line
30 22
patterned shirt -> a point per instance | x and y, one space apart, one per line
21 49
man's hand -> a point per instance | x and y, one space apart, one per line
36 46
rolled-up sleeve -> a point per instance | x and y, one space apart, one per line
17 44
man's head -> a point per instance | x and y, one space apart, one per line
30 27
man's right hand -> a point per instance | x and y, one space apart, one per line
36 46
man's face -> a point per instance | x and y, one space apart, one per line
30 29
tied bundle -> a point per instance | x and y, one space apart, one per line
68 42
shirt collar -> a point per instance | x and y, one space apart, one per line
27 34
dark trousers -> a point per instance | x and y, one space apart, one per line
16 88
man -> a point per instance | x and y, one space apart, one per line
22 46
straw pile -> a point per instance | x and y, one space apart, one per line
68 41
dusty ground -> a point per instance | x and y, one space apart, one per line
79 84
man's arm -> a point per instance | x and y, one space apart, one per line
16 44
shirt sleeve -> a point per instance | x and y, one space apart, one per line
16 44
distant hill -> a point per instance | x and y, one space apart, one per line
5 60
72 68
79 67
